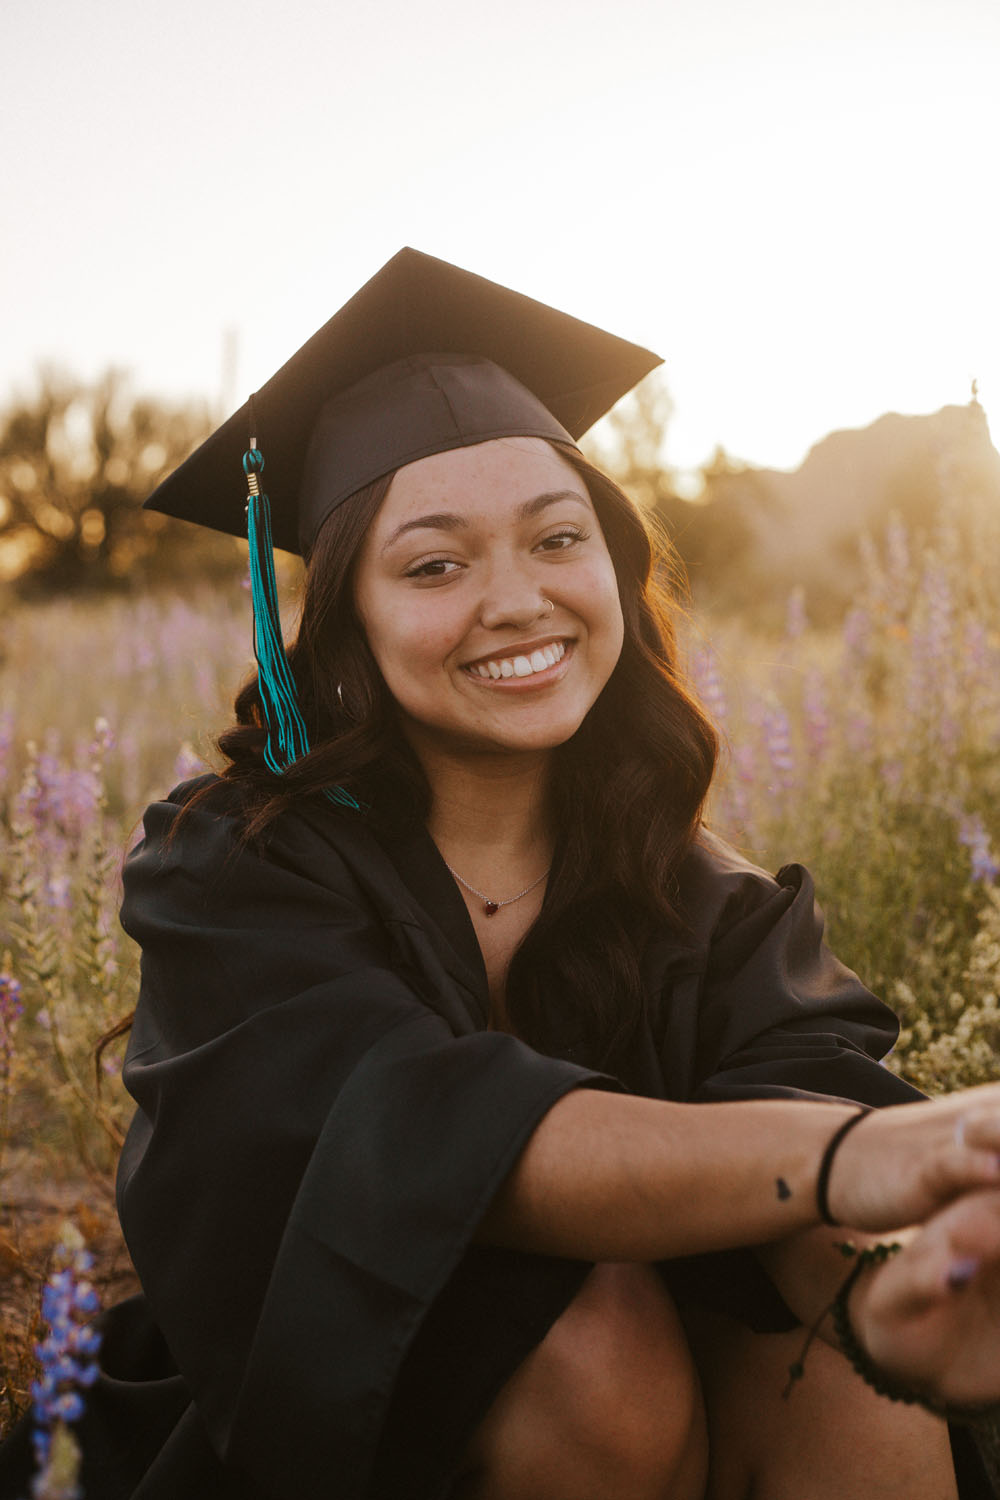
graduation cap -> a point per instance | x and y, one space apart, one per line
424 358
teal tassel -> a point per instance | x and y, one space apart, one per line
287 737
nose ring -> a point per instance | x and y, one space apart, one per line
552 608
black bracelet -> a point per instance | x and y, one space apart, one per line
826 1164
862 1362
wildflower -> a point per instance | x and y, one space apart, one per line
103 736
897 565
58 892
67 1359
188 763
795 613
11 1008
931 687
778 738
705 670
892 774
816 713
6 741
857 632
859 730
973 835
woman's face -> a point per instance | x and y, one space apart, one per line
451 587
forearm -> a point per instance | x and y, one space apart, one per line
613 1177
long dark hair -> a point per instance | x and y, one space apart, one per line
629 788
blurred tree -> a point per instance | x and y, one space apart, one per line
76 462
630 443
711 533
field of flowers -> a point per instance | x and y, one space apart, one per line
871 754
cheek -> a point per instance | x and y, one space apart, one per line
601 590
408 644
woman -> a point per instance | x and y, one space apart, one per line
470 1067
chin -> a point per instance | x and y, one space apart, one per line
483 739
527 740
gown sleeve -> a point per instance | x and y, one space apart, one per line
314 1145
780 1016
764 1010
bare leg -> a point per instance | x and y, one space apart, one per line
607 1407
832 1439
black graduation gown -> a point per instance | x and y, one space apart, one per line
323 1119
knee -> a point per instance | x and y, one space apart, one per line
629 1417
608 1404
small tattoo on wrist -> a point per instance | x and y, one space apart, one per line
784 1191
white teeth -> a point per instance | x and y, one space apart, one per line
520 666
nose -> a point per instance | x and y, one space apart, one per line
514 602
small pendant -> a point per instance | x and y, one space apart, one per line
491 908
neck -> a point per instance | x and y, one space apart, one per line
491 813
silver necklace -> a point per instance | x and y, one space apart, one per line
490 907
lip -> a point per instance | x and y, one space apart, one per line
536 681
521 648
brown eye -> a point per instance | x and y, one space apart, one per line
559 541
434 567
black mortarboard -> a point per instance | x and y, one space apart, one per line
425 357
355 402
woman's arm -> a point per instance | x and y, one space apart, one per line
614 1177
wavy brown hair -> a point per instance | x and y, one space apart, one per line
629 788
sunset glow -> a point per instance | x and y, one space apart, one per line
796 208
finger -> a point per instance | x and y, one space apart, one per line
978 1129
961 1167
947 1257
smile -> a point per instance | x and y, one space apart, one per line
539 660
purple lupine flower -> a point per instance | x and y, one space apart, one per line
6 740
930 689
11 1009
897 546
978 667
188 763
104 739
67 1356
892 774
778 739
815 713
973 835
859 731
58 892
734 796
795 613
857 632
708 681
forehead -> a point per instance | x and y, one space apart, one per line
478 477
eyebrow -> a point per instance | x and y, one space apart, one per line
447 520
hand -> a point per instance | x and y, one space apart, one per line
902 1164
930 1316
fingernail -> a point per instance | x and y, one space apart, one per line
961 1272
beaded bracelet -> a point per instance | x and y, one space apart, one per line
861 1361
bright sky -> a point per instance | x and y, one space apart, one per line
796 205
